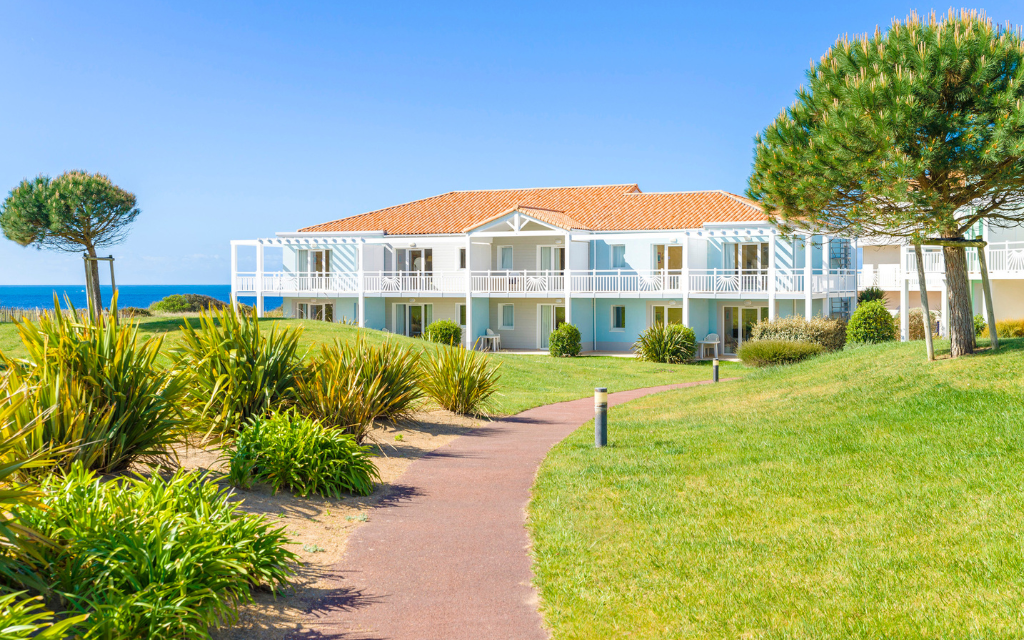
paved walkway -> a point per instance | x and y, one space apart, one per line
447 559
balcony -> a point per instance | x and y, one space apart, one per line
615 283
1005 260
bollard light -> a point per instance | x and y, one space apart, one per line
600 416
714 368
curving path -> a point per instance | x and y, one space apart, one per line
448 559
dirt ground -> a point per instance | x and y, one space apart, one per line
320 527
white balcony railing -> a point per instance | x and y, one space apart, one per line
594 282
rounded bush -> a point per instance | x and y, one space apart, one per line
187 303
979 325
443 332
766 353
916 318
871 322
671 344
565 341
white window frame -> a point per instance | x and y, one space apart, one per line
554 248
512 257
612 319
460 310
611 259
463 258
501 316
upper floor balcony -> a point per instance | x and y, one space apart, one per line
538 283
1004 260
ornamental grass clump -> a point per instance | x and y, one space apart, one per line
767 353
565 341
443 332
1007 329
830 333
916 321
152 557
233 371
459 380
871 323
93 392
349 385
297 453
670 344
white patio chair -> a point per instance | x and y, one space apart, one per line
711 340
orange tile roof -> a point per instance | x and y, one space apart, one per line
620 207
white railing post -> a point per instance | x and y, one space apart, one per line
234 275
469 293
259 279
771 275
686 282
808 275
905 295
567 275
361 287
826 273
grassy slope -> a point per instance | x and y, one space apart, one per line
864 494
526 381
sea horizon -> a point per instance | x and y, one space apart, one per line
39 296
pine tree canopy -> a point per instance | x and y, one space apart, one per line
918 131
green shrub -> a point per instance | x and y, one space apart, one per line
93 384
870 294
288 450
871 322
443 332
134 312
565 341
979 325
460 380
350 385
187 303
766 353
672 344
1008 329
233 371
830 333
23 616
152 557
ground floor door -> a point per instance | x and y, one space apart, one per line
316 311
550 317
664 315
737 323
411 319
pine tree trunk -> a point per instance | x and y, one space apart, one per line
961 320
96 294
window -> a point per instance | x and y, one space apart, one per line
618 318
505 258
462 315
618 256
507 314
462 258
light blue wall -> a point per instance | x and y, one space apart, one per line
375 313
583 318
636 321
481 319
701 317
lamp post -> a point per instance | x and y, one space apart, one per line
714 370
600 416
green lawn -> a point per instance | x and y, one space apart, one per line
526 380
865 494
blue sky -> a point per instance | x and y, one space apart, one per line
239 120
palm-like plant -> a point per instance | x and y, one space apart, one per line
460 380
233 371
671 344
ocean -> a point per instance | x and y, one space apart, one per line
128 295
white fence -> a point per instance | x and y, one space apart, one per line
698 281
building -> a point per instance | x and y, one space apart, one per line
518 262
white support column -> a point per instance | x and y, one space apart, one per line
944 306
469 293
808 274
234 275
686 282
856 273
904 296
826 273
771 277
567 274
361 286
259 279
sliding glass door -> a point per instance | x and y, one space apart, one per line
737 324
411 319
551 317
